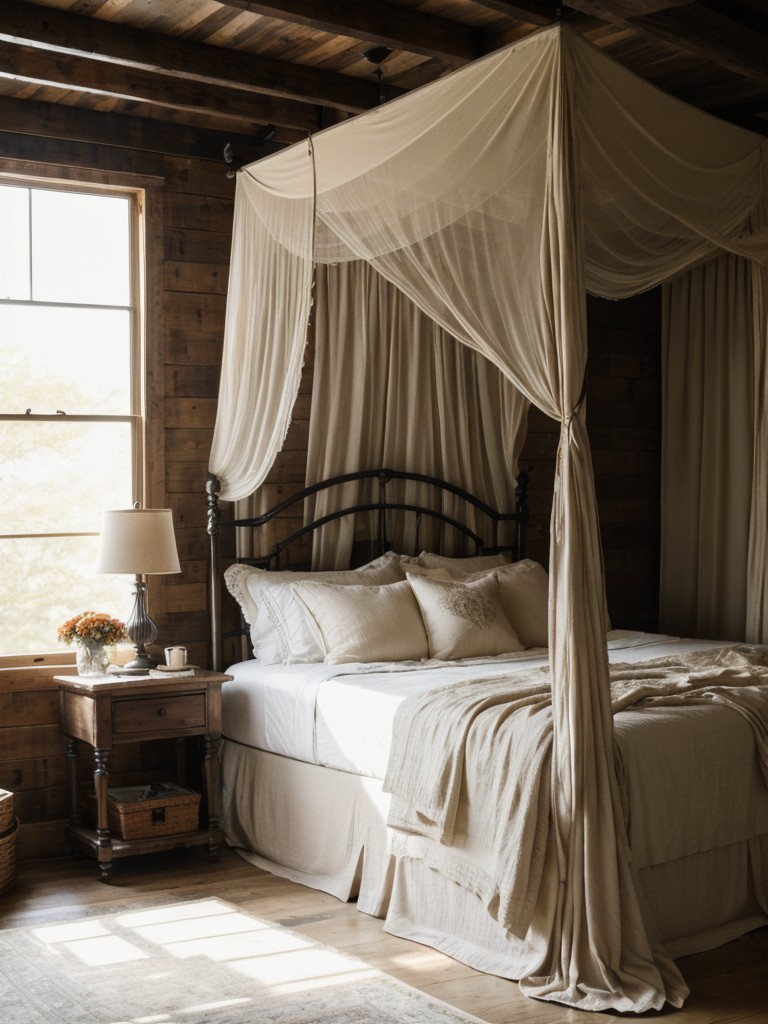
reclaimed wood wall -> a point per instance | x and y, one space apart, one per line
624 423
190 205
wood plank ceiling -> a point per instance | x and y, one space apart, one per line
269 73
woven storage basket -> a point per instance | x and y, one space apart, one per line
173 811
6 811
8 856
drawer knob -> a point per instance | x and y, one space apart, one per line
161 712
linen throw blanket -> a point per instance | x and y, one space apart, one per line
490 741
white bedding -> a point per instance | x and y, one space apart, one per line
306 746
678 799
341 716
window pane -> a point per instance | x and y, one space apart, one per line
80 248
14 242
78 360
47 581
59 476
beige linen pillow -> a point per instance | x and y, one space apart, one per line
365 623
464 620
524 592
461 567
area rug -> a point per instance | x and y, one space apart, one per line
201 962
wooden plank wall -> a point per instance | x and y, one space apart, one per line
624 424
191 224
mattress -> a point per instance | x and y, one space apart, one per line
679 797
341 716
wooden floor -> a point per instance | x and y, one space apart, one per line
728 985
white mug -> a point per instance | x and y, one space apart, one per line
176 657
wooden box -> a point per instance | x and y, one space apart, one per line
141 812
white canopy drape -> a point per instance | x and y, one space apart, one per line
378 358
493 199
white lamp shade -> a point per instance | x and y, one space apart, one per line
138 541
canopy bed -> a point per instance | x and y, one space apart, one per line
493 200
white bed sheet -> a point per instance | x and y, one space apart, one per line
679 798
340 716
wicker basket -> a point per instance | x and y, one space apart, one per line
6 811
135 815
8 857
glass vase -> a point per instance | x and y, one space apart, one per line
92 659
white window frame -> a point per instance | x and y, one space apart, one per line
143 194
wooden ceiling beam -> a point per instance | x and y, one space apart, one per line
534 12
711 36
698 30
46 27
624 10
125 131
167 91
377 23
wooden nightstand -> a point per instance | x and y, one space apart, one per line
103 711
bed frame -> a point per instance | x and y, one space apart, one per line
279 556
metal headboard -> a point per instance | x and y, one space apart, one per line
379 544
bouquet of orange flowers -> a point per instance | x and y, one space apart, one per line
93 628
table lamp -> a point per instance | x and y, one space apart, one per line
139 541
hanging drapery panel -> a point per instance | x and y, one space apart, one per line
378 358
487 198
706 486
269 294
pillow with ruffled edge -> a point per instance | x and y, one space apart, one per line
461 567
524 592
365 623
278 633
464 620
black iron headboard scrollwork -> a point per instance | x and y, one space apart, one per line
382 507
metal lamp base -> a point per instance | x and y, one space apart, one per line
142 631
139 666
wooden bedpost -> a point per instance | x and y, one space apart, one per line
212 488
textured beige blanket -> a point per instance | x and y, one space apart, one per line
490 742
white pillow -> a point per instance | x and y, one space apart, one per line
365 623
273 632
288 638
461 567
464 620
524 592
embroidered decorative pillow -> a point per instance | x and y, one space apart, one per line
464 620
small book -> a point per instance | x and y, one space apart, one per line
162 667
162 672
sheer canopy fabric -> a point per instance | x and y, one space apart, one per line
493 199
378 358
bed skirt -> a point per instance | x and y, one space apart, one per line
276 814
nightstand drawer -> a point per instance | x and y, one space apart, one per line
153 714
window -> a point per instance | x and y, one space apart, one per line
70 400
